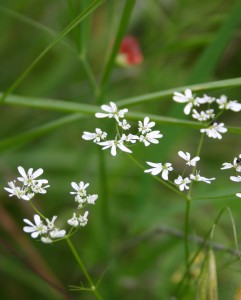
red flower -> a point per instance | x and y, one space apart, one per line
130 52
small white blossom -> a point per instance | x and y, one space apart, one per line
113 144
235 178
46 240
35 229
91 199
29 177
210 113
96 136
50 224
80 189
205 99
146 125
111 111
151 137
124 125
187 157
238 195
188 98
214 130
57 233
73 221
83 220
182 183
130 138
158 168
236 165
198 177
17 191
202 116
37 187
228 105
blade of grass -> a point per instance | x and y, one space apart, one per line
59 37
73 107
208 61
129 4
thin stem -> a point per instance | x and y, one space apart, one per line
36 210
129 4
159 179
188 209
89 73
82 267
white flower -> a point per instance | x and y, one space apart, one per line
112 111
35 229
80 189
151 137
130 138
73 221
113 144
236 165
46 240
186 156
238 195
158 168
202 116
57 233
37 188
198 177
30 176
83 220
124 124
50 224
205 99
146 125
182 183
96 136
188 98
214 130
91 199
210 113
228 105
17 191
236 178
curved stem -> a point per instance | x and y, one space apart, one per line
81 265
36 210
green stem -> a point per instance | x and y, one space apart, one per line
36 210
129 4
82 267
159 179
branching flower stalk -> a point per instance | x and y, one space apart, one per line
46 229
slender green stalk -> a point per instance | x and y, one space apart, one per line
124 20
36 210
166 184
59 37
188 209
82 267
205 239
89 73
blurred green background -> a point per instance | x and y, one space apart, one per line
183 42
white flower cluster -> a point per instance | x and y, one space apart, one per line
146 135
181 181
30 185
47 231
236 165
207 116
41 226
83 199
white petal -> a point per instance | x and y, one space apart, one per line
22 171
37 173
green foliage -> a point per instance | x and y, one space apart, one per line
57 66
